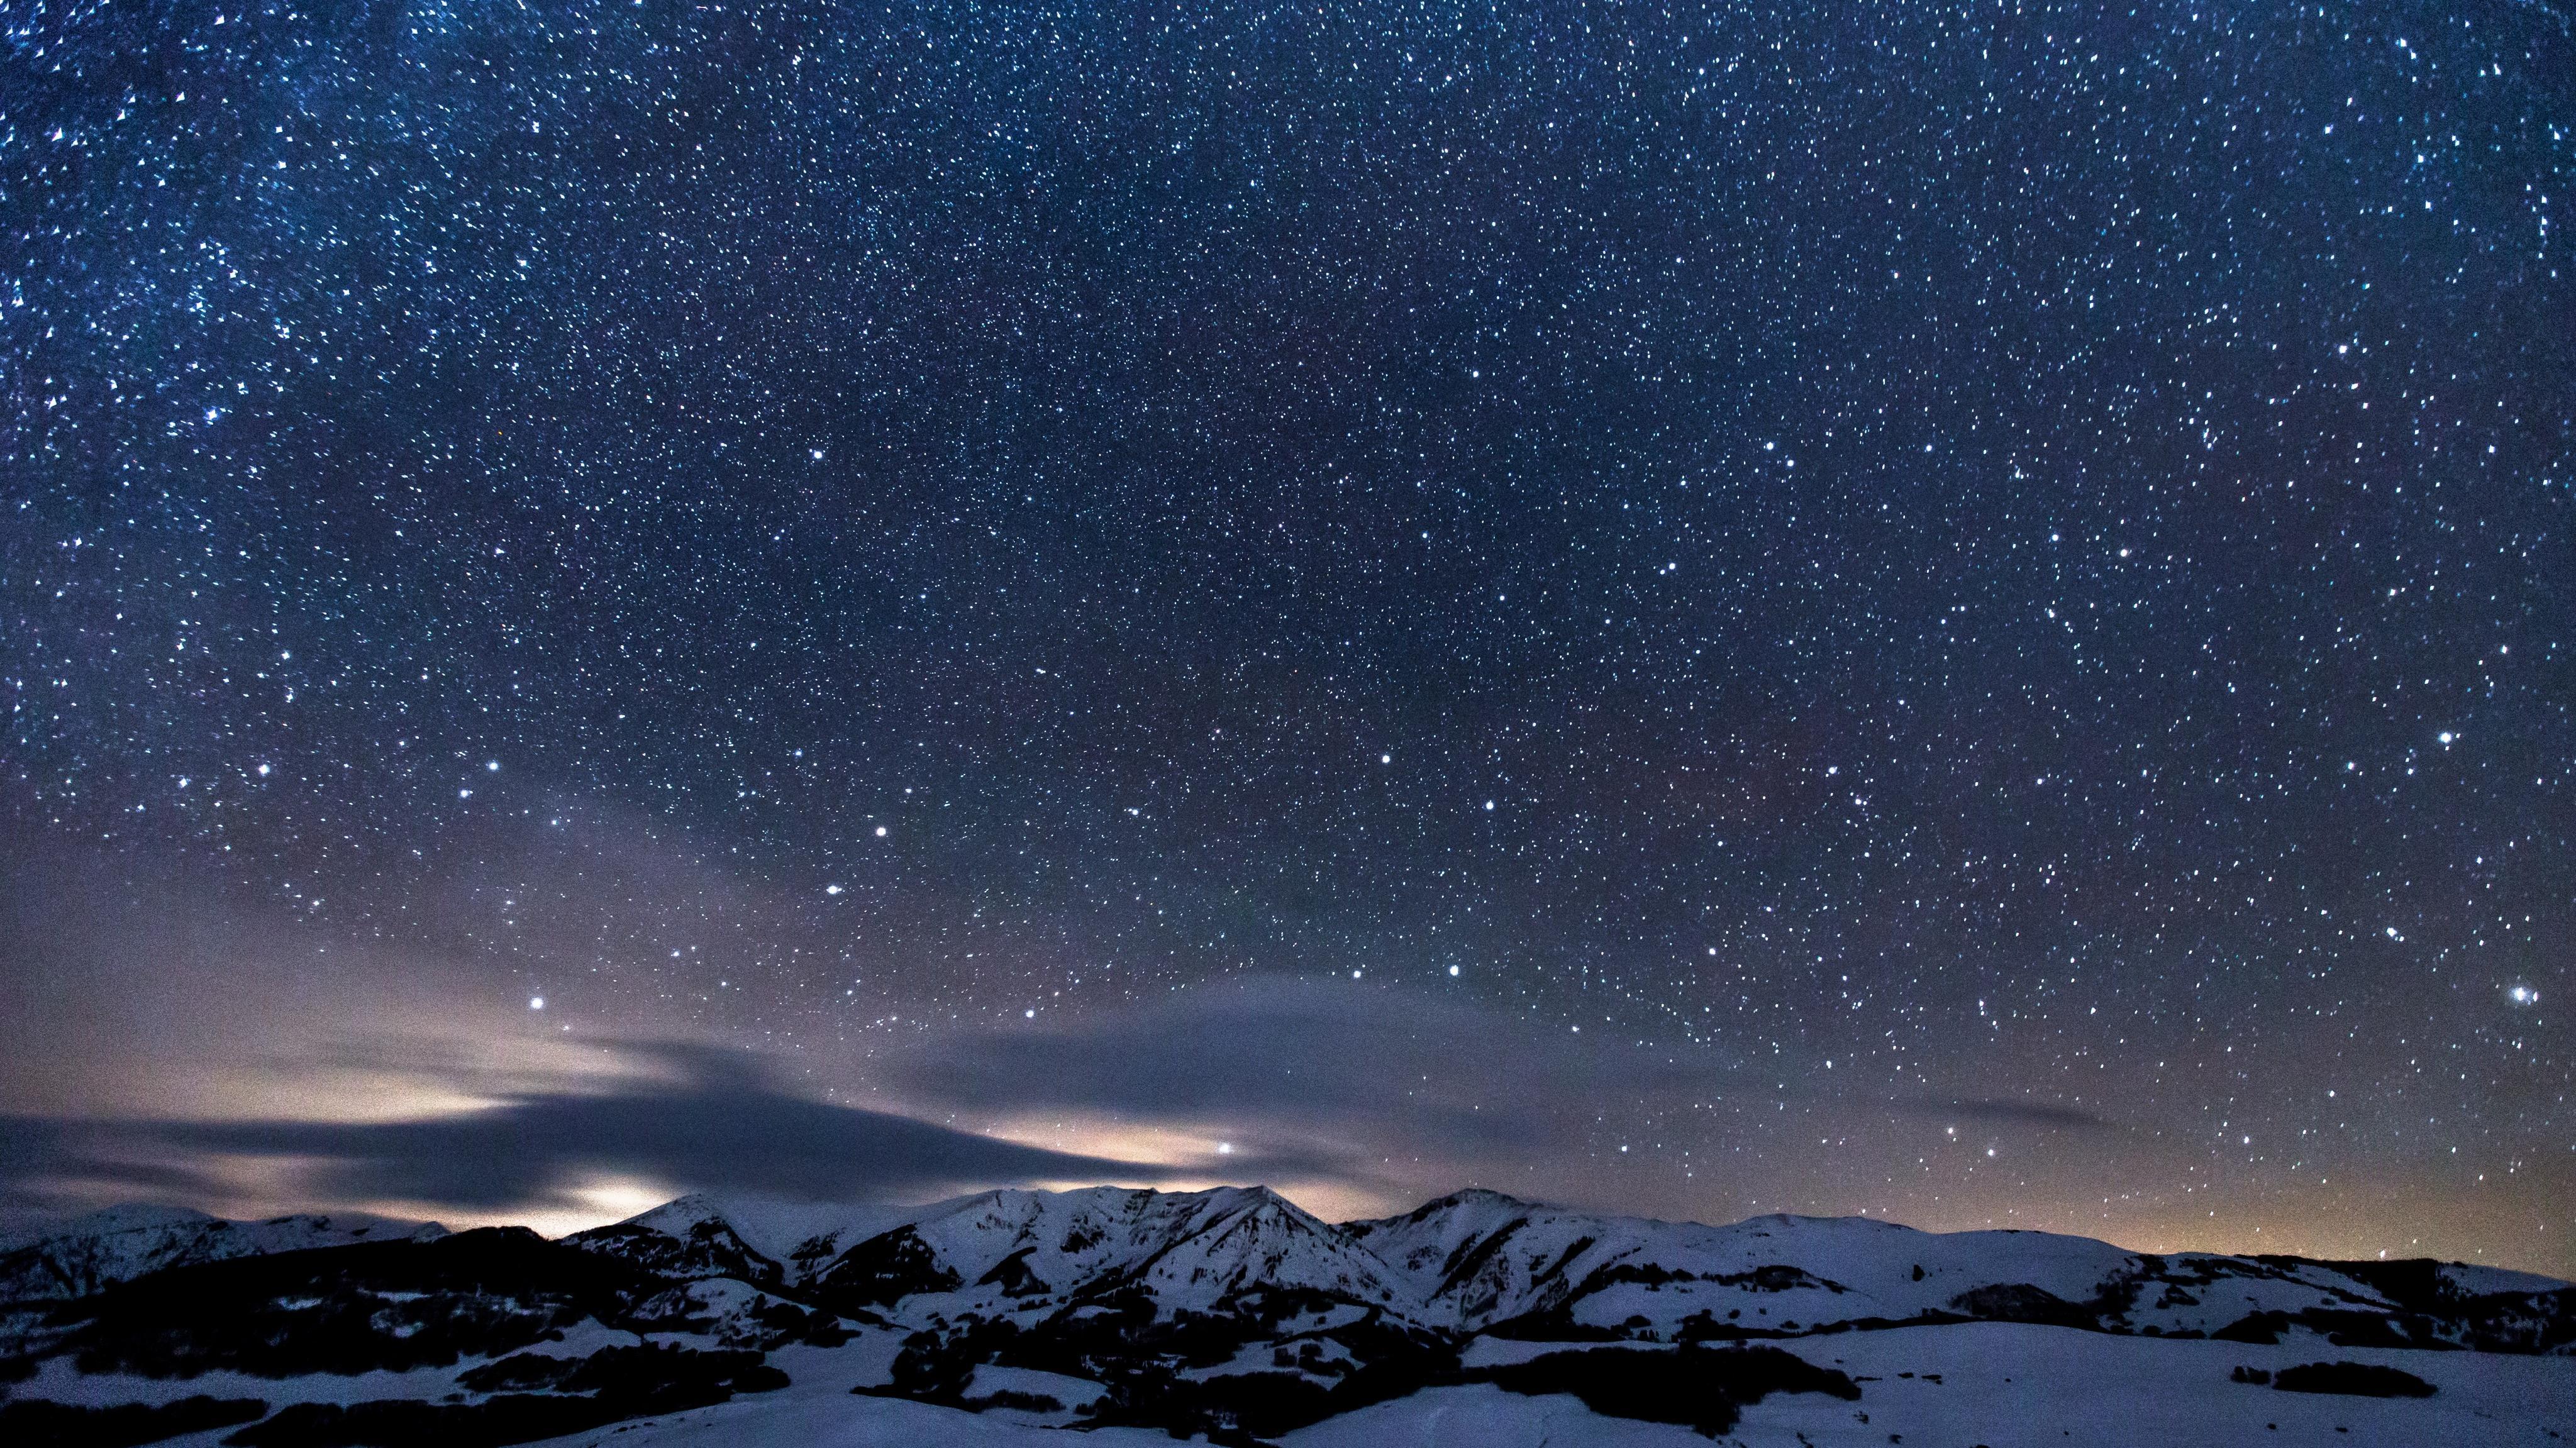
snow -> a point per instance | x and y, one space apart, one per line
80 1255
1481 1258
1069 1391
2478 1281
1462 1264
1485 1416
776 1228
60 1382
2009 1385
819 1411
1190 1249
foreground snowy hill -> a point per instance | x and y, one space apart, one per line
1236 1315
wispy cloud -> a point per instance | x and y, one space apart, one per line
2003 1111
712 1118
1431 1071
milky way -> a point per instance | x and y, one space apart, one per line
1981 587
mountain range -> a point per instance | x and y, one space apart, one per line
1237 1316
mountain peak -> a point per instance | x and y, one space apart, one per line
1483 1198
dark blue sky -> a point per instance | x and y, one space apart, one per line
1900 559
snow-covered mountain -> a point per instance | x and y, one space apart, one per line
85 1254
1480 1260
1232 1313
1022 1252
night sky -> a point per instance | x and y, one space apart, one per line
1967 613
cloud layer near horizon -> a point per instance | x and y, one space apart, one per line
713 1119
1367 1096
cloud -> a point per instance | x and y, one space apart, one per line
1426 1071
1353 1093
49 1166
1998 1112
711 1119
1307 1083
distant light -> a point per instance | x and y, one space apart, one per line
1030 1014
2523 995
1386 759
263 769
493 765
1225 1148
536 1003
880 832
2446 736
1453 970
831 889
1489 804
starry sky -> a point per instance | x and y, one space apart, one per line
1956 611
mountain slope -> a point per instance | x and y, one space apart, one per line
1235 1315
1483 1261
86 1254
1189 1251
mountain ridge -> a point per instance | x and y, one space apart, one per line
78 1255
1229 1312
